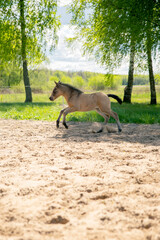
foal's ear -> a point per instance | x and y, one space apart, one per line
57 83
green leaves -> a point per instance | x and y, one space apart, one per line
41 25
107 28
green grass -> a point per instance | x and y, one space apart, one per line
128 113
12 107
20 98
134 113
140 94
34 111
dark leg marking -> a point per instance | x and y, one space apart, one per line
57 124
64 123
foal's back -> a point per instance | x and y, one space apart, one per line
93 101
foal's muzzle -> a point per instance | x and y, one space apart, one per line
51 98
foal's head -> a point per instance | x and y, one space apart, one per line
56 91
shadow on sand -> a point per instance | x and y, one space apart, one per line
132 133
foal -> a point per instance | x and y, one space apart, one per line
79 101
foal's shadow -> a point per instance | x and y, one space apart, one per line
132 133
82 132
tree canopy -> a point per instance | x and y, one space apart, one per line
41 24
111 29
108 28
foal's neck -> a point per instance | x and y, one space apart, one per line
66 94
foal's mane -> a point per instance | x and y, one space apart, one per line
71 88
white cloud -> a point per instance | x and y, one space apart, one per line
64 2
65 58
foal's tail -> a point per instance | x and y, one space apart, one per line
115 97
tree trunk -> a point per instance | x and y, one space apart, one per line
24 59
128 88
149 55
151 75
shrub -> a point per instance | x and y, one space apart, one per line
113 81
97 82
53 79
78 82
66 79
157 79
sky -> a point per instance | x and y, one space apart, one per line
71 59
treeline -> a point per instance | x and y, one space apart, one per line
43 79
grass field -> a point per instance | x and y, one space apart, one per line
12 107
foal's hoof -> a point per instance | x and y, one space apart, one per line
65 125
57 124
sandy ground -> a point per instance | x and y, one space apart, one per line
75 184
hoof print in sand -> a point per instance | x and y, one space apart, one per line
58 220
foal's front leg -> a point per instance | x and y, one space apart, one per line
65 112
58 120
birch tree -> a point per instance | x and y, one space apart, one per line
37 23
114 29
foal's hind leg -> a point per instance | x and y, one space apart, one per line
115 116
105 116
